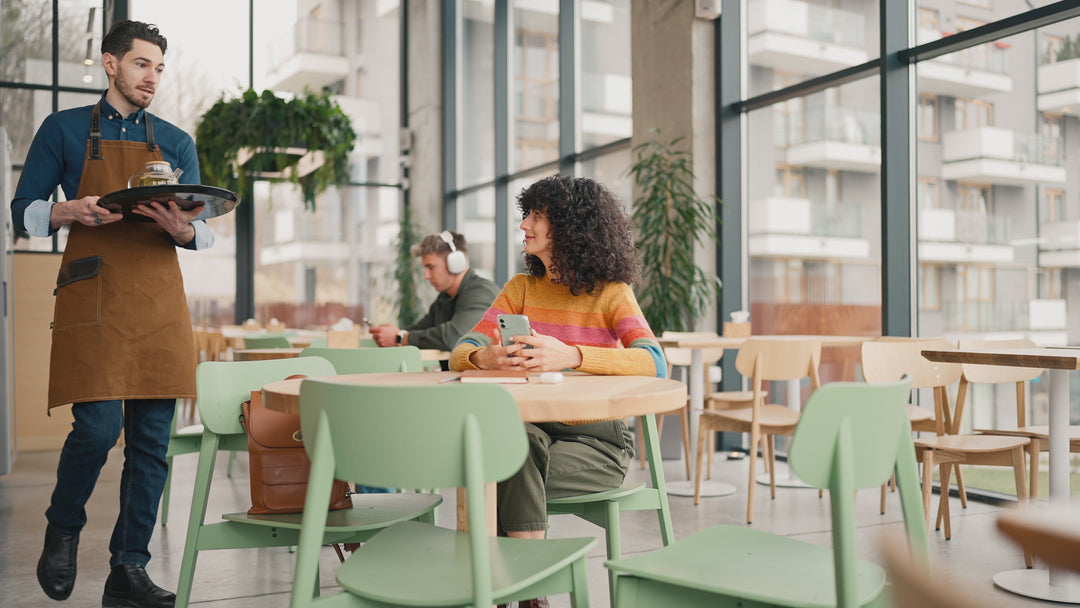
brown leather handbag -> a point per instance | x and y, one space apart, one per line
278 465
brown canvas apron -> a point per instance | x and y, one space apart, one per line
122 332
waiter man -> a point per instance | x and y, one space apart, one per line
122 348
463 297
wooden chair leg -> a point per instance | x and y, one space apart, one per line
684 422
1021 492
927 483
943 503
702 430
755 437
960 489
770 448
884 492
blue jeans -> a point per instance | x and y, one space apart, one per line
146 424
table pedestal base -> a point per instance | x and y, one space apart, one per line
784 478
1036 583
709 488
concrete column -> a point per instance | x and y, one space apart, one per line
673 60
425 111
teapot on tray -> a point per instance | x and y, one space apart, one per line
157 173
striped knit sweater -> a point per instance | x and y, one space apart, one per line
607 326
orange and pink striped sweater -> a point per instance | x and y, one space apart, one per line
607 326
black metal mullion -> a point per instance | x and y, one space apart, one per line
568 75
1016 24
503 51
897 168
450 110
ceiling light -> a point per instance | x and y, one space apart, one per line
88 61
88 78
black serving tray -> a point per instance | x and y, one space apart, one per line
218 201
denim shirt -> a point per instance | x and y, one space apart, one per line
58 152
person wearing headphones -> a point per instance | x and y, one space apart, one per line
463 296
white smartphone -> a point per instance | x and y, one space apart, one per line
513 325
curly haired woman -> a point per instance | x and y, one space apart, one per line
580 261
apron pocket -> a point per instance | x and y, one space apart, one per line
78 294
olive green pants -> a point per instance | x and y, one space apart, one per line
563 460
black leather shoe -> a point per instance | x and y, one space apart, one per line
56 567
128 586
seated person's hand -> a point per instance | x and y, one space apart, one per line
497 356
547 354
385 334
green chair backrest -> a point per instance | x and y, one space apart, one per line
369 360
266 341
432 436
852 436
222 386
367 343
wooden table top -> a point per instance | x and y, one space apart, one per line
264 354
1048 358
717 341
577 397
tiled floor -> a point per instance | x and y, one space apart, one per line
261 577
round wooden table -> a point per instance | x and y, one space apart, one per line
264 354
577 397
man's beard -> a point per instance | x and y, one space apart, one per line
128 93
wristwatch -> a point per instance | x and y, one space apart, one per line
400 336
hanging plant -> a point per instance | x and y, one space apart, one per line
306 141
670 219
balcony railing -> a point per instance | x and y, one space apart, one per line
995 142
979 227
300 225
309 36
987 57
839 124
832 220
996 315
798 18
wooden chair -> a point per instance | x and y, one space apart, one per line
840 445
889 358
1038 434
222 386
763 360
950 448
369 360
266 341
681 357
471 435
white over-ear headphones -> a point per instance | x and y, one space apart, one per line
455 260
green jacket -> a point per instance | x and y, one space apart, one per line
450 317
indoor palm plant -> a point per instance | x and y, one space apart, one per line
263 134
670 219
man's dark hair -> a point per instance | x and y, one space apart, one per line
591 234
123 33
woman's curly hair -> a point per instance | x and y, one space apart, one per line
592 237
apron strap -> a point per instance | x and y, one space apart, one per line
95 133
150 143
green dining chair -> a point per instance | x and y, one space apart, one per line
426 436
183 440
266 341
605 508
850 437
369 360
222 386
